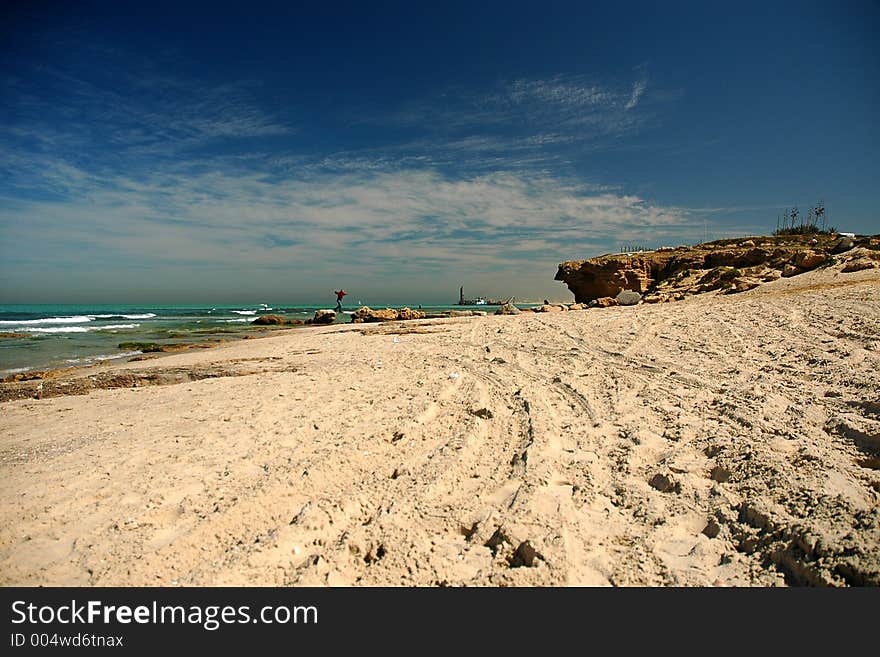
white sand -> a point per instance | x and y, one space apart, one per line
362 459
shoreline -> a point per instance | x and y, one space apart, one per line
721 440
47 362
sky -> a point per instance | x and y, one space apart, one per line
201 152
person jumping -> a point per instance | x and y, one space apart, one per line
339 294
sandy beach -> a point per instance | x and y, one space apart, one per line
717 441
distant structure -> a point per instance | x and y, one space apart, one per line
479 301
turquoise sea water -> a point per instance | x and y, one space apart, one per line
71 335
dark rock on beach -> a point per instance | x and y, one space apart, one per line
323 317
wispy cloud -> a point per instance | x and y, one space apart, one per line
325 220
639 87
147 179
566 104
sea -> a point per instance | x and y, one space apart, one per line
59 336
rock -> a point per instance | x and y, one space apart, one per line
790 270
628 298
712 528
366 314
578 306
268 320
483 413
808 259
858 265
770 275
664 483
323 317
525 555
677 271
718 277
507 309
843 244
653 298
407 314
741 285
550 308
15 335
603 302
607 276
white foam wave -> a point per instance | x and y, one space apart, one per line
230 321
245 312
17 370
75 319
75 329
102 357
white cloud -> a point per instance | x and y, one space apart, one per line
639 87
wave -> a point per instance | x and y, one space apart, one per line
75 329
229 321
102 357
245 312
75 319
141 316
16 370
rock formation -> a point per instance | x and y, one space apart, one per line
323 317
507 309
727 265
366 314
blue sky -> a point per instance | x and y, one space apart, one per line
175 152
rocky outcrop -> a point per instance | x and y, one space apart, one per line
406 313
860 264
607 276
507 309
323 317
366 314
728 266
